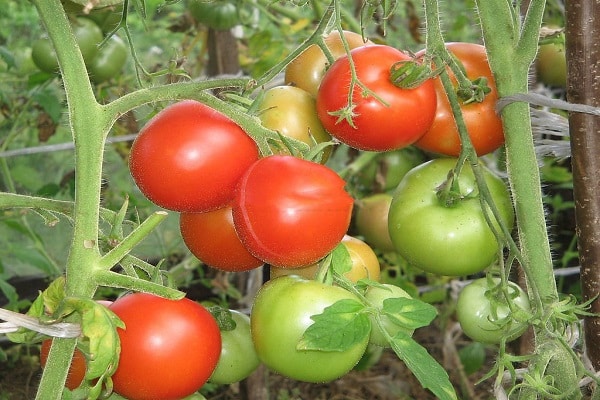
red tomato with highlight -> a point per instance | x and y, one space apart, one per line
483 124
386 118
189 157
211 237
291 212
169 348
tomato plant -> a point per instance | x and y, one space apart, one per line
280 315
371 221
87 34
376 295
76 368
292 112
484 313
238 358
483 123
109 61
211 237
169 348
306 71
291 212
382 115
446 239
189 157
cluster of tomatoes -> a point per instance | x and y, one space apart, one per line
240 210
103 62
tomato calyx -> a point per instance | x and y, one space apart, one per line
410 74
476 92
449 193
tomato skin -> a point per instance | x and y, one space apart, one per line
371 221
189 158
109 61
306 71
292 112
76 369
169 348
476 313
378 127
281 313
238 358
211 237
483 123
291 212
450 241
376 296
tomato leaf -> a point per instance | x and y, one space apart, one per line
341 260
409 313
338 328
426 369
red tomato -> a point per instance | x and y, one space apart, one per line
291 212
76 369
169 348
189 157
377 126
211 237
483 124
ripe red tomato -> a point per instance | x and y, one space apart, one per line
377 126
291 212
189 157
483 124
306 71
281 314
76 369
169 348
211 237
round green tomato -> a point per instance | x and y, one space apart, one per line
217 14
446 240
238 358
389 168
551 65
87 34
371 221
280 315
110 60
484 315
107 18
292 112
376 296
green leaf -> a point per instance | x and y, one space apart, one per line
426 369
472 357
341 260
54 295
409 313
340 326
7 57
50 103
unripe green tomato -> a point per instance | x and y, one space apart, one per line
238 358
217 14
43 55
551 65
107 18
109 61
371 221
376 296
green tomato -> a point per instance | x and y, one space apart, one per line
280 315
107 18
387 169
238 358
371 221
551 65
87 34
110 60
446 240
484 314
217 14
376 296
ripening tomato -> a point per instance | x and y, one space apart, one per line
211 237
189 158
551 65
169 348
76 369
386 118
483 123
371 221
292 112
446 239
291 212
306 71
280 315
